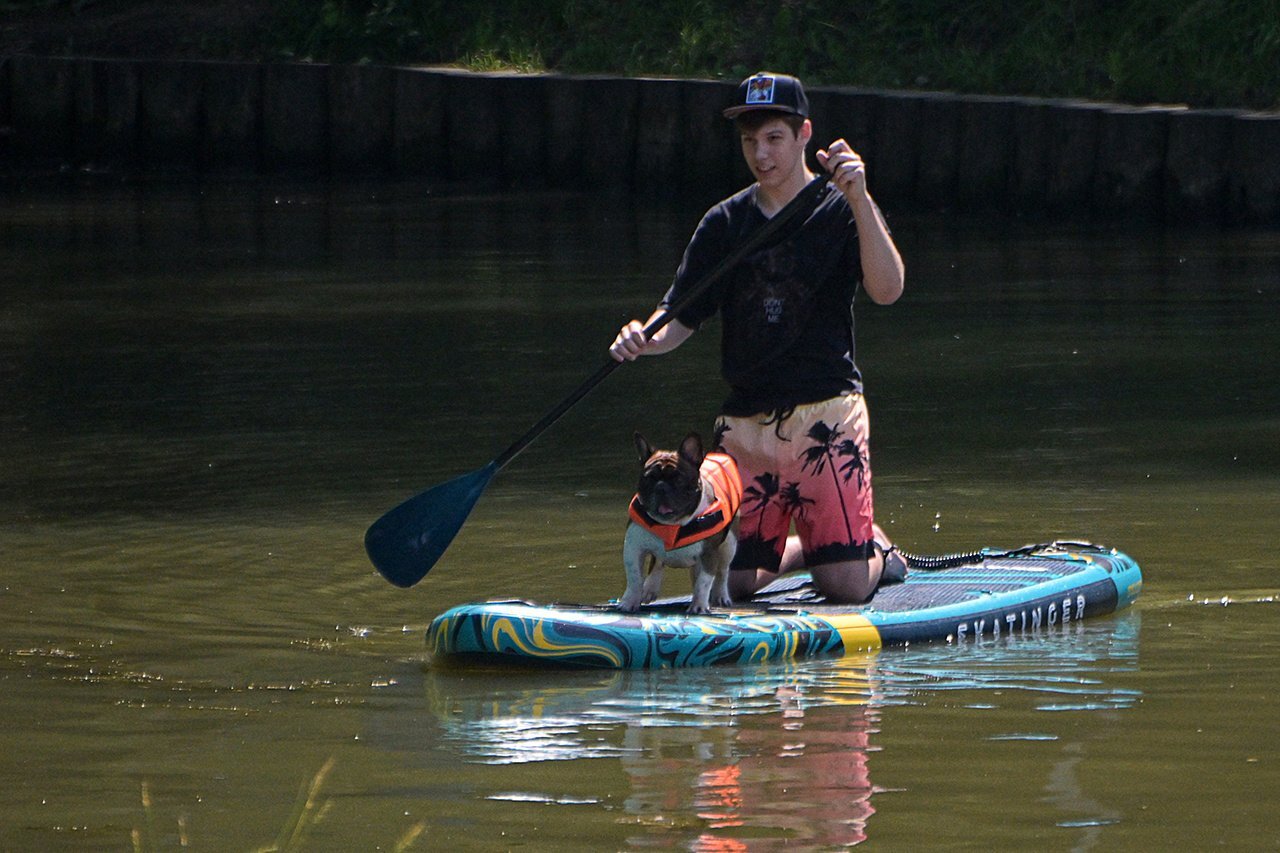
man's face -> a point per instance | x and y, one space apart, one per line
774 153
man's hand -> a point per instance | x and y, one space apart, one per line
630 342
847 170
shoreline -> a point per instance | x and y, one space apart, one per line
929 151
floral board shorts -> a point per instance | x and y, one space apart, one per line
811 467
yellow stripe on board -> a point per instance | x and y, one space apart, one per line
856 632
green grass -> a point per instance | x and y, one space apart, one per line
1211 53
1203 52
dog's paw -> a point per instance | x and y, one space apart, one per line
630 603
722 599
698 609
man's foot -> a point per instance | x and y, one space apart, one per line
895 567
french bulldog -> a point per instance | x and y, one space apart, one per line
684 515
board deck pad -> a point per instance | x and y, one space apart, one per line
987 594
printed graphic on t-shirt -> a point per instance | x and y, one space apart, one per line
778 298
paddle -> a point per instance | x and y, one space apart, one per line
406 542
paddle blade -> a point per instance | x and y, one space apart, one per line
406 542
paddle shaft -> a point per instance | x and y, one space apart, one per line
780 219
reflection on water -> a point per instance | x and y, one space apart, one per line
209 390
1067 668
781 751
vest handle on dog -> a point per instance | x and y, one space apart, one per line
407 541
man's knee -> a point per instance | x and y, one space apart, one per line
743 583
850 582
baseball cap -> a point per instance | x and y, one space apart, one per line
765 90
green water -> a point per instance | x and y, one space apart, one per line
209 391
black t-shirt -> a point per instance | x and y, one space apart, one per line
787 310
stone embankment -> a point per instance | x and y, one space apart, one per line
927 151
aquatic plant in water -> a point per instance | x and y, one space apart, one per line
309 809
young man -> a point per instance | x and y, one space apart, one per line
795 420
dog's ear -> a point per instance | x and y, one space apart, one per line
643 449
691 449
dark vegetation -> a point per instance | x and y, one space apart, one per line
1208 53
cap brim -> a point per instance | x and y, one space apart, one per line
733 112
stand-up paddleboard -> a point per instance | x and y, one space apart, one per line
959 598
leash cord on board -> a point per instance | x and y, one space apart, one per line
950 561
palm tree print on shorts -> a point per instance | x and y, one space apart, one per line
717 441
823 455
793 501
756 499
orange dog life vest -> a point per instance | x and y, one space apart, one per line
722 471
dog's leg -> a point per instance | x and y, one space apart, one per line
634 561
721 559
653 583
702 576
720 589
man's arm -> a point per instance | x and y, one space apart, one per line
883 273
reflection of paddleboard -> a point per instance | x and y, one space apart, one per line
963 598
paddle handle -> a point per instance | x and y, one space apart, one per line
803 201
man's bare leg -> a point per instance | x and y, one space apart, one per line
846 582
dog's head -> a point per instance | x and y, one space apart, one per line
670 485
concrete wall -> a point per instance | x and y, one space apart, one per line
925 150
